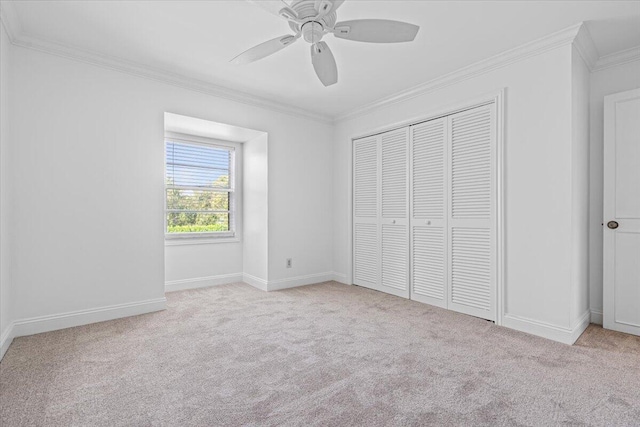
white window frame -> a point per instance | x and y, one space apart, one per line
234 192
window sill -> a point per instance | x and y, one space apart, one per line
198 240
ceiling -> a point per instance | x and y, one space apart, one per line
196 39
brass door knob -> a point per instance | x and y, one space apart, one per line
613 225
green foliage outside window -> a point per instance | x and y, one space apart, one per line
198 200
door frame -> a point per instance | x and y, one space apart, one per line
496 97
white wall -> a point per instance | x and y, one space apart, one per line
89 184
256 206
538 202
605 82
202 264
580 79
6 297
297 209
87 192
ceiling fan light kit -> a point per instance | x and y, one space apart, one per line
312 20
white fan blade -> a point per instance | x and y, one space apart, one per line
324 7
376 31
275 7
264 49
324 63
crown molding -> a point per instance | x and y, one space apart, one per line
585 47
527 50
129 67
10 20
618 58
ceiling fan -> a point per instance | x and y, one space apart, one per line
312 20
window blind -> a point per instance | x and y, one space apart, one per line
199 188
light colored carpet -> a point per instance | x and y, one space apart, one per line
326 354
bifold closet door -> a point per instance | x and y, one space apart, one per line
394 215
429 212
424 223
471 213
381 210
366 239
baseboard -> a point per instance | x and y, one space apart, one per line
6 339
290 282
294 282
581 325
341 278
201 282
547 330
37 325
254 281
596 316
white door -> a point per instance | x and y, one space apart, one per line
429 212
366 254
394 214
424 222
621 309
472 212
381 211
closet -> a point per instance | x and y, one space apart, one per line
424 212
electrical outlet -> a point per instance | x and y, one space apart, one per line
288 262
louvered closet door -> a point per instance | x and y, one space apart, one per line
394 221
429 213
471 222
366 240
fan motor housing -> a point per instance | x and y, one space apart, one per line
305 10
312 31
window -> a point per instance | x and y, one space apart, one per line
199 189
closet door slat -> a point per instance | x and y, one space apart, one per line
394 174
366 253
471 228
394 222
366 178
428 213
471 198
